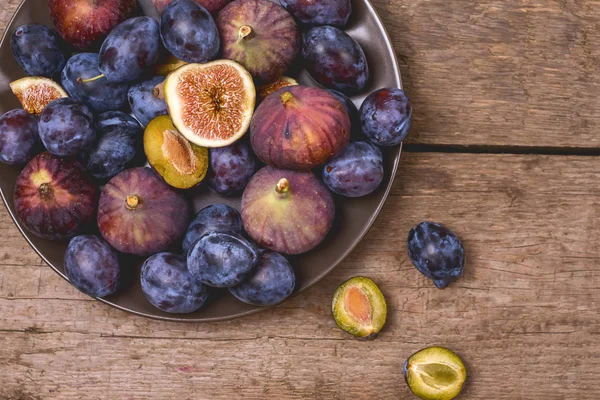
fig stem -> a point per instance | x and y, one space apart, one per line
90 79
246 31
132 201
283 186
286 96
45 191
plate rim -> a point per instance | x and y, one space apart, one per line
174 318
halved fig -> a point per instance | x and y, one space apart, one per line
211 104
435 373
167 65
359 307
35 92
287 211
268 88
180 163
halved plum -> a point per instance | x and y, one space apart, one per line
181 164
55 198
140 214
359 307
435 373
287 211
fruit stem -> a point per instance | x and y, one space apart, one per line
132 201
159 91
45 191
286 96
283 186
246 31
90 79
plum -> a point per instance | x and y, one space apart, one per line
212 6
55 198
180 163
140 214
117 148
359 308
299 127
99 94
287 211
335 60
92 266
213 218
350 109
272 281
129 49
38 50
144 100
169 286
260 35
436 252
231 168
19 139
356 172
67 127
110 118
319 12
386 116
189 32
435 373
221 259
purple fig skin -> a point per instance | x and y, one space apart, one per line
299 128
287 211
260 35
140 214
55 198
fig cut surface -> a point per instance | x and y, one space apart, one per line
211 104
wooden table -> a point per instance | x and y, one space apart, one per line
505 151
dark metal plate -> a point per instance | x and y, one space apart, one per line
353 219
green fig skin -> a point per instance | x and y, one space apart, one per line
287 211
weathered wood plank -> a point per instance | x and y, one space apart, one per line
497 72
526 312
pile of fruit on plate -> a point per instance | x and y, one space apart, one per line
209 102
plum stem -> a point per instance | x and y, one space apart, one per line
246 31
132 201
45 191
283 186
159 91
90 79
286 96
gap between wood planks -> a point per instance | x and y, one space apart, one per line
481 149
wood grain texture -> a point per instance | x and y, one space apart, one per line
525 317
498 72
